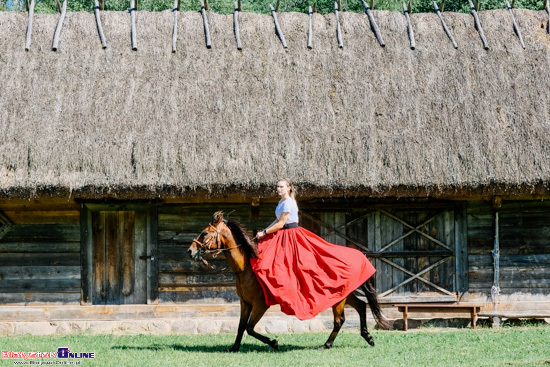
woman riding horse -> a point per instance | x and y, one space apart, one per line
292 267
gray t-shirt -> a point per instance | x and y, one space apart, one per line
288 206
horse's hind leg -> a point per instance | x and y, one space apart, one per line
258 310
361 308
246 308
339 319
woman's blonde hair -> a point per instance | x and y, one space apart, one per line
291 185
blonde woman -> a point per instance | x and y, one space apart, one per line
299 270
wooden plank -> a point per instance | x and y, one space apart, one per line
192 296
112 257
39 247
140 243
39 285
43 233
86 255
43 216
179 279
99 281
126 223
152 248
188 266
39 272
39 259
461 246
25 298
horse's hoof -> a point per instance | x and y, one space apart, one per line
324 347
274 344
231 350
370 340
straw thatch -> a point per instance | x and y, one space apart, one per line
362 120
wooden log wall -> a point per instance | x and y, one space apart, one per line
524 230
40 255
182 279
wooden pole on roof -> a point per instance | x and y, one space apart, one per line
338 28
97 7
57 33
445 28
277 27
515 24
175 28
547 7
236 26
310 29
410 28
478 25
206 28
373 24
133 33
29 26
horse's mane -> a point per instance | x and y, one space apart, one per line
241 237
250 247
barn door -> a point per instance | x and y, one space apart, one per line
415 253
419 251
120 257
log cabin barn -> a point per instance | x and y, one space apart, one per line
432 159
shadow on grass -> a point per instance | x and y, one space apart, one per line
245 348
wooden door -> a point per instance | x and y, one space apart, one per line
119 262
419 250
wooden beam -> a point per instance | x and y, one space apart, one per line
133 33
515 24
176 10
373 24
29 26
205 24
445 28
338 28
409 27
310 29
98 24
236 29
277 27
478 25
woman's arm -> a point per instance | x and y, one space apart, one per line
275 226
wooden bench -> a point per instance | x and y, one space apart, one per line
466 307
495 317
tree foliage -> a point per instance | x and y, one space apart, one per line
262 6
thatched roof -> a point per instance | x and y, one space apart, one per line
362 120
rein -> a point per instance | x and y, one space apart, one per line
205 248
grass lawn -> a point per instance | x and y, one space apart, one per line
515 346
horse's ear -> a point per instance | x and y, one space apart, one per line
217 218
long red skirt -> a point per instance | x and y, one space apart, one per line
305 274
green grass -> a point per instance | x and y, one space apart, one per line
514 346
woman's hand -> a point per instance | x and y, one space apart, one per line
260 235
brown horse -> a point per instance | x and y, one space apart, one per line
228 237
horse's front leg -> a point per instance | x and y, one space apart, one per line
339 319
243 321
258 310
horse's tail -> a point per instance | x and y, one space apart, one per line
372 298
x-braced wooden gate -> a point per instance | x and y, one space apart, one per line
419 250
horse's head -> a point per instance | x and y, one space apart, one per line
210 239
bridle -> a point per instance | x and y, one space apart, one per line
205 247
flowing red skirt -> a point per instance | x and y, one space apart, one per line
305 274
